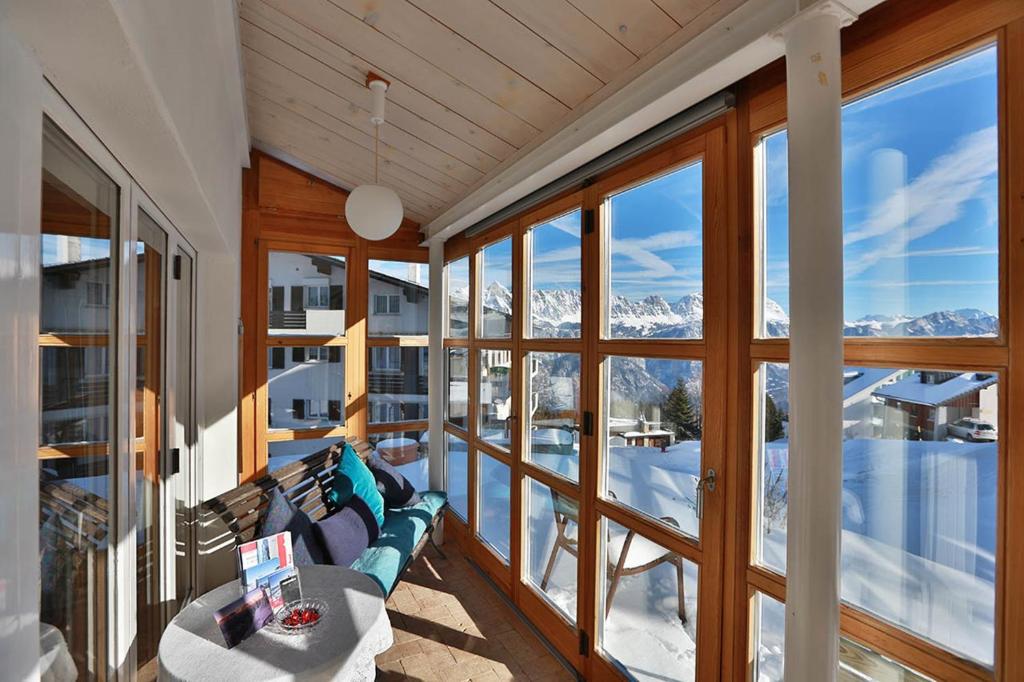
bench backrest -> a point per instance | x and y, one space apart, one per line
305 482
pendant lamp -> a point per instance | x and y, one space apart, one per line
374 212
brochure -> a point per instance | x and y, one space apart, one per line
264 563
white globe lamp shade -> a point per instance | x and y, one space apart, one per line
373 212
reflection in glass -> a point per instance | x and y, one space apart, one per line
406 451
493 510
399 299
655 246
919 203
457 475
283 452
856 662
653 437
457 281
552 423
552 550
648 609
495 397
397 384
555 302
307 294
920 465
306 387
496 290
458 387
152 247
79 224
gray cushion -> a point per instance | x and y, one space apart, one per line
347 533
282 515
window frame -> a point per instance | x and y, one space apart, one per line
883 48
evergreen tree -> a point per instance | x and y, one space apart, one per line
773 429
681 412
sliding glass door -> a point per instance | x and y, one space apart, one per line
116 414
585 354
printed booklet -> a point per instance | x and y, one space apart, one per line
264 563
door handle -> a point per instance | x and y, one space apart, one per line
706 483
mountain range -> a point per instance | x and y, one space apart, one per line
556 313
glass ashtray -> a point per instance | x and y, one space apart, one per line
300 616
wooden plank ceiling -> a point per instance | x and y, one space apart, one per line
472 81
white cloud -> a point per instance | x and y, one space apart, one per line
933 199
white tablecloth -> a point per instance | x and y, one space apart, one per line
341 647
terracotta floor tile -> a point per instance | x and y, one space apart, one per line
450 625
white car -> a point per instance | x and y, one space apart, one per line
970 428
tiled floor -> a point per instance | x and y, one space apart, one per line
451 625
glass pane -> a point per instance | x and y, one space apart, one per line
653 436
552 548
920 200
856 663
306 294
306 387
555 303
496 290
407 452
494 495
399 302
282 452
655 263
553 382
397 384
457 280
457 475
495 397
774 454
458 387
152 246
79 224
648 606
920 465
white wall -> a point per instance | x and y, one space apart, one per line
20 161
160 84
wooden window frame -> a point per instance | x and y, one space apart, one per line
883 47
286 209
706 143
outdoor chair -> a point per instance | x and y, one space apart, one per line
628 553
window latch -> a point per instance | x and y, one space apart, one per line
706 483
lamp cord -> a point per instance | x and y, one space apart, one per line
376 153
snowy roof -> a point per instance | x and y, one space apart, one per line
856 380
912 390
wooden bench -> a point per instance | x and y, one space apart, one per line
306 483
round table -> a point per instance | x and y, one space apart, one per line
341 647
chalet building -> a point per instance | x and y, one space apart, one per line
921 405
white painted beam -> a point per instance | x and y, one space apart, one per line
647 94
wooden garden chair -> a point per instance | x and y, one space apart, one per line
628 553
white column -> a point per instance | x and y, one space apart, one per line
21 135
435 398
813 81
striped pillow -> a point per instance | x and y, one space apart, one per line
393 486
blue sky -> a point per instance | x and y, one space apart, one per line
920 195
920 208
655 240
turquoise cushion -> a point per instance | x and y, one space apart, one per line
360 481
384 560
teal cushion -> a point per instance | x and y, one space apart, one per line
353 477
384 560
